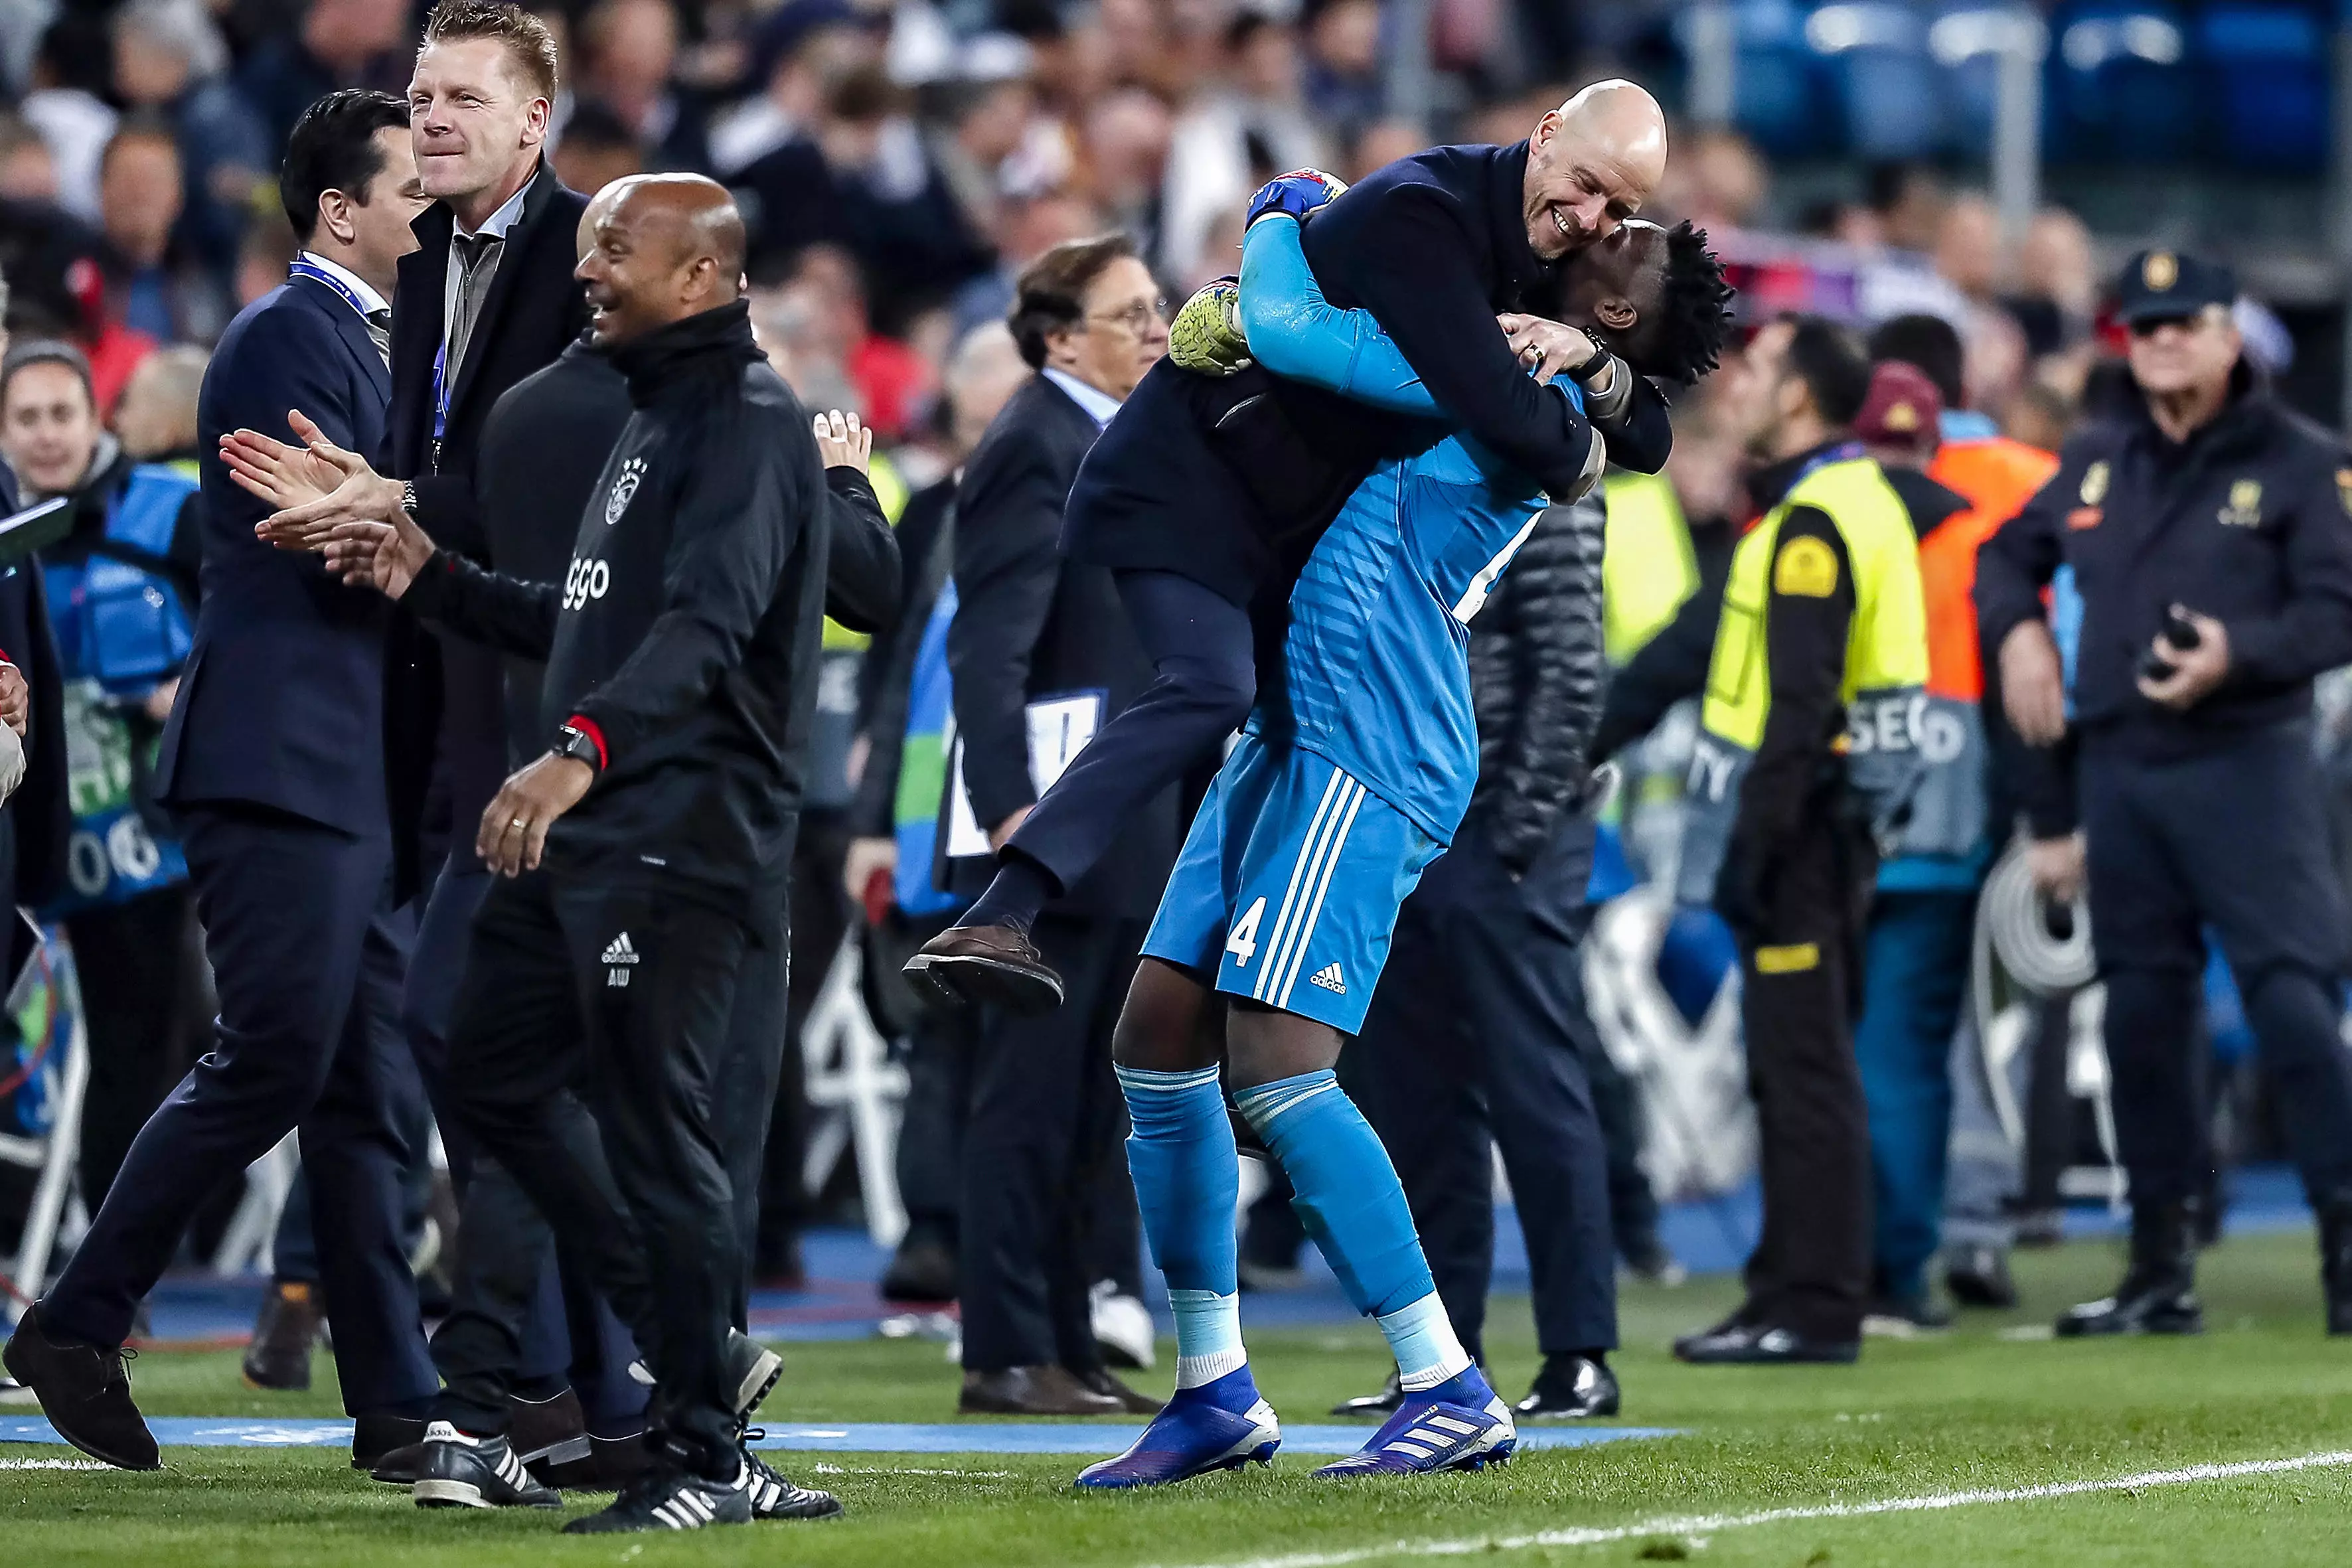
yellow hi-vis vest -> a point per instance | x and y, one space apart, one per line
1884 687
1648 569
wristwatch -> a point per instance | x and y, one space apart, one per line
581 746
408 499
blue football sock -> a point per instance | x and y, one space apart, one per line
1348 1195
1187 1184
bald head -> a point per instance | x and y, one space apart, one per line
1592 163
660 248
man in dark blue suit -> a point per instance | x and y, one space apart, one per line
288 745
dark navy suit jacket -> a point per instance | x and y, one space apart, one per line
298 688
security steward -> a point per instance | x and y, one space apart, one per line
1804 758
2208 532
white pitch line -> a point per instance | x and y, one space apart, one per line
54 1465
1710 1524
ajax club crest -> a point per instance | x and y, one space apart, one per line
624 490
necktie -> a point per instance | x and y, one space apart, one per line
379 330
477 262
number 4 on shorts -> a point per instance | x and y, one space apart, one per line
1243 941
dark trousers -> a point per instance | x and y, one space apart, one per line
557 1014
539 1321
1632 1205
1915 978
820 919
932 1123
1201 646
1472 1044
307 953
1810 1268
2235 837
136 961
1046 1119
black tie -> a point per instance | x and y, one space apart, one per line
379 330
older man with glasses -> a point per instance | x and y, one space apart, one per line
2209 538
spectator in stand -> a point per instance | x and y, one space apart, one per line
28 169
1031 227
2058 285
336 43
1127 147
892 383
1343 71
631 48
1249 126
1909 201
268 249
169 60
156 420
1969 248
154 291
598 147
796 53
1381 143
991 111
120 587
1717 181
73 69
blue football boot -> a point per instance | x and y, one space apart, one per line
1219 1426
1460 1425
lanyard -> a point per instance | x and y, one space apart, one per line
440 398
317 274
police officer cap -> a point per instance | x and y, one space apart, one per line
2160 283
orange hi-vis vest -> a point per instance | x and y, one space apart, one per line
1997 477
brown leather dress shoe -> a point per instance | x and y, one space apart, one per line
1032 1391
1103 1381
546 1433
976 964
609 1466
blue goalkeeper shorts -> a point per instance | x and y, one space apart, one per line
1290 885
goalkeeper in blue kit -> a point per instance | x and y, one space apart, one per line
1344 787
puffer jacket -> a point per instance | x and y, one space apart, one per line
1538 676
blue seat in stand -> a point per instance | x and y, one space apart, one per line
2122 86
2267 69
1875 56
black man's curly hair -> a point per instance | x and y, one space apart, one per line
1694 314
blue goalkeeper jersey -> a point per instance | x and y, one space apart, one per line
1377 657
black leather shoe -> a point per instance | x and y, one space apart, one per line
1977 1274
1032 1391
975 965
1741 1315
1105 1381
388 1448
922 1272
85 1391
612 1463
2335 1263
462 1471
755 1370
547 1432
1570 1388
2158 1292
280 1355
1765 1344
1384 1402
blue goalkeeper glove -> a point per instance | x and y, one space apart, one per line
1299 193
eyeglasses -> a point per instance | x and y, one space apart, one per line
1135 318
2148 326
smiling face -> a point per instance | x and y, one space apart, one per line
662 247
1592 163
49 427
475 123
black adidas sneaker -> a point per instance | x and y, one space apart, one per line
460 1472
668 1497
775 1495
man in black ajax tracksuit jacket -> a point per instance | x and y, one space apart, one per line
644 855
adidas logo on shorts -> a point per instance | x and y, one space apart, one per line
618 956
1329 978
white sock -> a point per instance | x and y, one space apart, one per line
1420 1337
1208 1336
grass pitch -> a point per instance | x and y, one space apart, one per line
1967 1412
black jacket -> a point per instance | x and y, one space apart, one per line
1539 671
1030 624
534 311
2245 522
1433 246
531 507
685 634
37 820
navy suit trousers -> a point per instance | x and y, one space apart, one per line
307 952
1473 1042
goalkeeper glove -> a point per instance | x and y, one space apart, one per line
1299 193
1206 336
